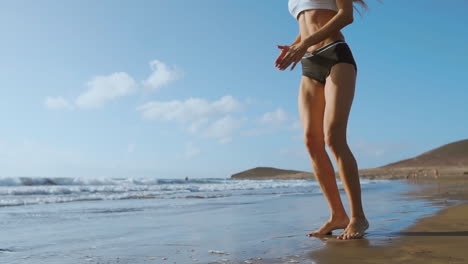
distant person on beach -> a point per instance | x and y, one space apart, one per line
325 96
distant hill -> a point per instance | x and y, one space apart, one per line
271 173
448 160
450 155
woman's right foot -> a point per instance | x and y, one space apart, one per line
330 225
356 228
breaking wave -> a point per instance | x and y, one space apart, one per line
26 190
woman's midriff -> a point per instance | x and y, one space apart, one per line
312 20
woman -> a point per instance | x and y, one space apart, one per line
325 97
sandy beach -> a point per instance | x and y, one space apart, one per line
440 238
438 176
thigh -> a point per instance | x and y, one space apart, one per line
311 102
339 94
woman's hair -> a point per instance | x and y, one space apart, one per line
361 3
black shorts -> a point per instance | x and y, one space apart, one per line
317 64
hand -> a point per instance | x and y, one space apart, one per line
283 49
293 55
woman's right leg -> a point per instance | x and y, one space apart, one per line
311 104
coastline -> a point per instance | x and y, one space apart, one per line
439 238
385 173
250 225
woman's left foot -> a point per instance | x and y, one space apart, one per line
355 229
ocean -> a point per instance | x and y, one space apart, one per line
28 191
150 220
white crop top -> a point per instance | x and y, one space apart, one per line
297 6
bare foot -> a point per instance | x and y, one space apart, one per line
355 229
330 225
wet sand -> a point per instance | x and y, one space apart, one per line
441 238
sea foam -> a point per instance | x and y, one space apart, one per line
28 190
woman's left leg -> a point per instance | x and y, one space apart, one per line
339 94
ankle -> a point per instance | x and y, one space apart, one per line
340 216
358 218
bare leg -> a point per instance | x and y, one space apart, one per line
311 103
339 94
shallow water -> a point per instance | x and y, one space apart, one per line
201 221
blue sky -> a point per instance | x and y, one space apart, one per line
188 88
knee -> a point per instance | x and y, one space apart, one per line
335 139
314 143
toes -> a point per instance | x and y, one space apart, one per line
348 234
353 235
359 235
318 234
345 236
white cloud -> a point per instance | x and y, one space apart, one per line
57 103
106 88
209 119
161 75
192 109
271 122
102 89
223 129
275 117
197 125
281 119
